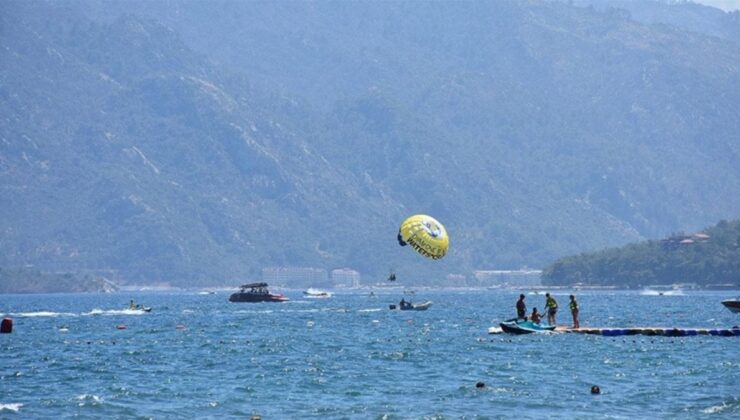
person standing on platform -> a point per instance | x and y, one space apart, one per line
574 311
551 305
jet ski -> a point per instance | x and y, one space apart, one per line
514 326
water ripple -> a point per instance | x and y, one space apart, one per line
351 357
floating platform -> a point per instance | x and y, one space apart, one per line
660 331
663 331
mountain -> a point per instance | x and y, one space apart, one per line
198 142
680 14
26 280
710 257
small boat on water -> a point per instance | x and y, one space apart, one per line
423 306
408 306
256 292
732 304
315 293
137 307
514 326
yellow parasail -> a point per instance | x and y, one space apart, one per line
425 234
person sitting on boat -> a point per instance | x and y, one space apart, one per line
403 303
521 308
535 316
132 305
552 308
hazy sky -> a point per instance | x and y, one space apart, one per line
721 4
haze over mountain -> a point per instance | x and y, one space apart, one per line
198 142
681 14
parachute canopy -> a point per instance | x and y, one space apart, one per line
426 235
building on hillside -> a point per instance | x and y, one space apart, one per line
456 280
508 278
676 241
296 277
345 277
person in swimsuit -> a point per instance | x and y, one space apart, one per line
521 308
535 316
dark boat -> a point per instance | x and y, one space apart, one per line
732 304
256 292
525 327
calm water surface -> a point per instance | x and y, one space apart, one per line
348 356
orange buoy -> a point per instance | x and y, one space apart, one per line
7 326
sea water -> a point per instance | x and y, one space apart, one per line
350 356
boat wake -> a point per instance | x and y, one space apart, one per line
649 292
303 311
98 311
723 407
88 399
42 314
11 407
265 311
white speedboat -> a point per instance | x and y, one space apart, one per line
315 293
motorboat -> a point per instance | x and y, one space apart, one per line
418 306
315 293
514 326
256 292
408 306
138 308
732 304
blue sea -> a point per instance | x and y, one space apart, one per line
350 357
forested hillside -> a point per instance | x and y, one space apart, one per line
26 280
198 142
710 257
683 15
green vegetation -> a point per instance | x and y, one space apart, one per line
708 258
35 281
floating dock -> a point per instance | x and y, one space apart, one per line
664 331
659 331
